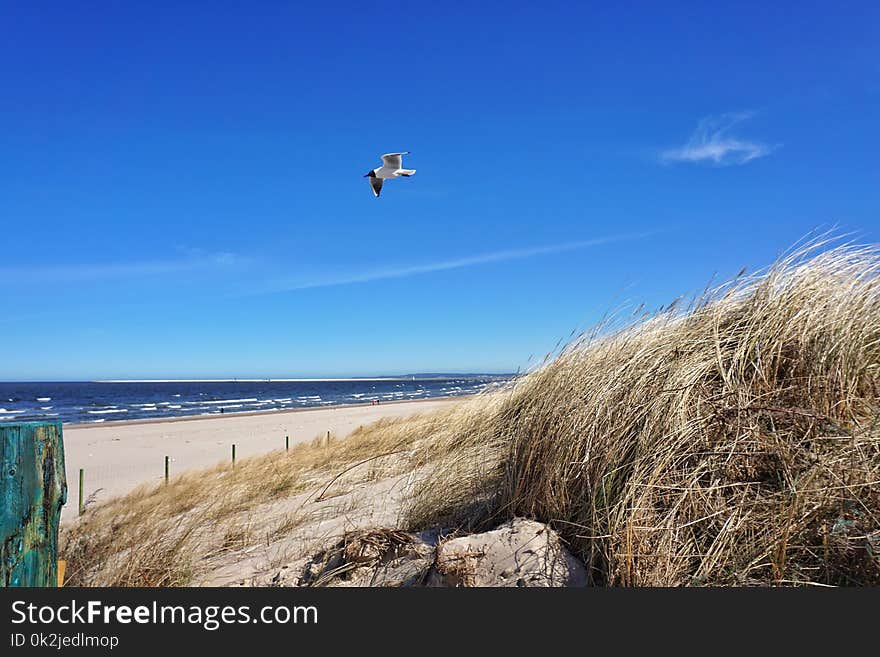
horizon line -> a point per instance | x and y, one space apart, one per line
396 377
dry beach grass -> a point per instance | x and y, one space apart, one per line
731 441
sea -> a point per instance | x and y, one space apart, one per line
105 401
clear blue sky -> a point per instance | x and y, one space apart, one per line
181 190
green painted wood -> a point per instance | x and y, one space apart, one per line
33 488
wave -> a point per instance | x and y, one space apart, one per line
12 412
44 399
224 401
108 410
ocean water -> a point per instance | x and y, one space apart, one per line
94 402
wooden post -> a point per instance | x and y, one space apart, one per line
327 440
81 507
167 468
233 455
33 488
286 443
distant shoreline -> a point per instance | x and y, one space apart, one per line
369 378
115 402
280 411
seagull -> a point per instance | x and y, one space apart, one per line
391 163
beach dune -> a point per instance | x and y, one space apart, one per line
116 457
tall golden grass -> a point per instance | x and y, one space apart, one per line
732 441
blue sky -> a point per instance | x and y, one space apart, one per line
181 190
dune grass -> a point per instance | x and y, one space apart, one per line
731 441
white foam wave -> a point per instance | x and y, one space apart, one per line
225 401
109 410
44 399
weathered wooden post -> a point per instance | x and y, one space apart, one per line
233 455
82 476
33 488
166 470
286 443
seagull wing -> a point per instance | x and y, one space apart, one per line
376 184
393 160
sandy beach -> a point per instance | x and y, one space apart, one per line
119 456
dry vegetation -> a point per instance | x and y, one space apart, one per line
730 442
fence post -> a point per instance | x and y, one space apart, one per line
233 455
81 506
33 490
327 439
286 443
166 469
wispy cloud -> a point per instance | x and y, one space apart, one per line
190 260
711 142
368 276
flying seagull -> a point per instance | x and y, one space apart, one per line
391 163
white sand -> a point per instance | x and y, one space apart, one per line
119 456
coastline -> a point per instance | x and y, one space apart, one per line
280 411
118 456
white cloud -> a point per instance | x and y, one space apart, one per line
711 142
444 265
